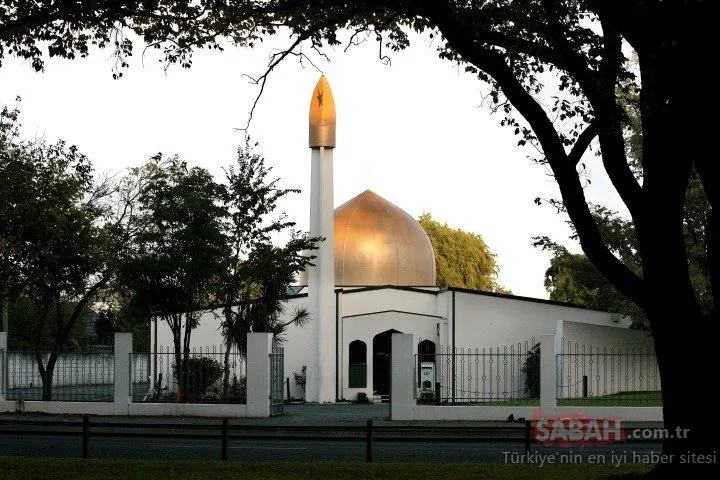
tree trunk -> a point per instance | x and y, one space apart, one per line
175 326
46 373
686 357
188 390
226 370
673 71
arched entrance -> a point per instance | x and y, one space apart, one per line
382 350
357 367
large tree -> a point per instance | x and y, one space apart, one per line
462 259
515 46
173 267
257 275
59 238
573 278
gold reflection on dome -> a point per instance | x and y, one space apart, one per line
377 243
322 116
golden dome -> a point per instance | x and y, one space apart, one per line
377 243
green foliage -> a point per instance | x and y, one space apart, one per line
572 278
301 378
462 259
122 319
200 373
238 390
362 398
57 242
24 316
172 267
256 279
531 372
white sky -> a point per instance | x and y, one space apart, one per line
415 132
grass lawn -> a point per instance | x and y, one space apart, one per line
624 399
33 468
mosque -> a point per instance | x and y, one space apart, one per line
375 275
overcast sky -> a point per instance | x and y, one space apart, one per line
415 131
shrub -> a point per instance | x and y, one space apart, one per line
238 390
301 378
202 373
531 372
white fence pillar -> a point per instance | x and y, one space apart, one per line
548 374
259 348
3 364
403 378
123 349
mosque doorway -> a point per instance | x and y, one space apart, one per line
382 350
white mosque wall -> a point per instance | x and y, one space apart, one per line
379 300
206 335
602 336
366 327
480 321
298 348
612 360
485 320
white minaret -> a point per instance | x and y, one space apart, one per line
320 384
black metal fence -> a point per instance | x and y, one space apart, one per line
205 375
607 376
508 375
75 376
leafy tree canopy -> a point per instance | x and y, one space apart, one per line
573 278
59 237
259 273
462 259
24 314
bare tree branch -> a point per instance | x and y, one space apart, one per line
582 143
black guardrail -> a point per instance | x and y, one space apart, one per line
520 432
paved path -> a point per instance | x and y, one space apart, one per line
308 413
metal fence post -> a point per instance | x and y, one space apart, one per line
225 438
86 436
369 440
528 435
3 365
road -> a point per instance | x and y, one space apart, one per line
139 447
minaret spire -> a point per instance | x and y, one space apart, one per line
322 363
322 116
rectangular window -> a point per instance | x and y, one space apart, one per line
358 376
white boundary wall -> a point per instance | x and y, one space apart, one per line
404 407
258 388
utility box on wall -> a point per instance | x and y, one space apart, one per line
427 377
